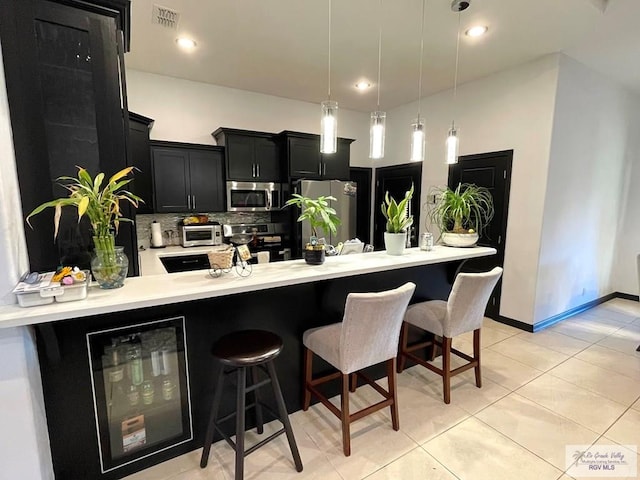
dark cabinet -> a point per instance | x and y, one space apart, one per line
304 159
250 156
140 157
63 62
187 178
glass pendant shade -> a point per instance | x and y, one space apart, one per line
376 134
417 141
329 127
452 145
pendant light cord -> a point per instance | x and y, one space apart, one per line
455 78
421 55
329 60
379 51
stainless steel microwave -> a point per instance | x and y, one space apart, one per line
253 196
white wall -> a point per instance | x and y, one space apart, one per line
24 441
512 109
589 152
187 111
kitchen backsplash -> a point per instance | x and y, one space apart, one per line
169 222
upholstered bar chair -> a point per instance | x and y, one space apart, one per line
368 335
462 312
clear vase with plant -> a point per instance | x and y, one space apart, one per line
101 204
398 222
321 216
462 214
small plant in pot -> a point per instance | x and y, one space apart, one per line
461 214
320 215
100 201
398 222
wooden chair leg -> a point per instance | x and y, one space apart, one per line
391 377
402 346
308 368
344 407
446 368
476 356
433 348
353 382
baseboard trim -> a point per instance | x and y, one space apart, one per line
569 313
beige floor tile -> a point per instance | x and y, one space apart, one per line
555 341
488 336
626 431
415 465
531 354
508 329
506 371
176 466
622 363
630 307
610 313
625 340
585 329
609 384
536 428
636 406
583 406
474 451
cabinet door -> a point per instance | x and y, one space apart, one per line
267 160
335 166
142 184
240 158
171 180
207 180
304 158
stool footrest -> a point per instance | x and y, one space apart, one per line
233 414
262 442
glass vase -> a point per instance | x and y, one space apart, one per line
109 263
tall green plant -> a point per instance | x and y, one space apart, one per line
317 212
397 214
467 207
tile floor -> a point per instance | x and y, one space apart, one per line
574 383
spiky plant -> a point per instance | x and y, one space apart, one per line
397 214
468 207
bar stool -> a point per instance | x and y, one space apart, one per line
367 335
462 312
253 350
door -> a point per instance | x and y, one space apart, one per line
304 158
362 178
397 180
493 171
171 180
205 172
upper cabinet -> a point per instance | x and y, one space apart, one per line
140 157
304 160
249 156
64 64
187 178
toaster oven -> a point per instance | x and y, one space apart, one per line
201 234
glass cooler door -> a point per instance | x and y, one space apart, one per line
141 390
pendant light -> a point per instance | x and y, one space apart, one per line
378 118
417 127
329 119
453 142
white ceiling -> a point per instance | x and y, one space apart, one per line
279 47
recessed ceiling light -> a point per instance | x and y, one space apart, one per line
477 31
186 43
363 85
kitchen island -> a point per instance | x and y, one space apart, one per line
194 310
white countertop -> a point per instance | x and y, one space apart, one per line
163 289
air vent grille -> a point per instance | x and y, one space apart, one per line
165 17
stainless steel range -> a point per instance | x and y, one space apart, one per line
260 237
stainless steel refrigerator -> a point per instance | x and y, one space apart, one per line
345 206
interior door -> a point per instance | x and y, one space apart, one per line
397 180
493 171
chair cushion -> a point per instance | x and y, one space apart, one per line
325 342
428 316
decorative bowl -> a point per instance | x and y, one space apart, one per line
459 239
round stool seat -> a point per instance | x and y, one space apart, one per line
247 347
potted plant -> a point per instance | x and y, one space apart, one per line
101 203
320 216
398 221
461 214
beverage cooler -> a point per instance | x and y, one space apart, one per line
140 390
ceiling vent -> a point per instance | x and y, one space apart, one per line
165 17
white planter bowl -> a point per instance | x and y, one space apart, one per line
394 243
459 239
